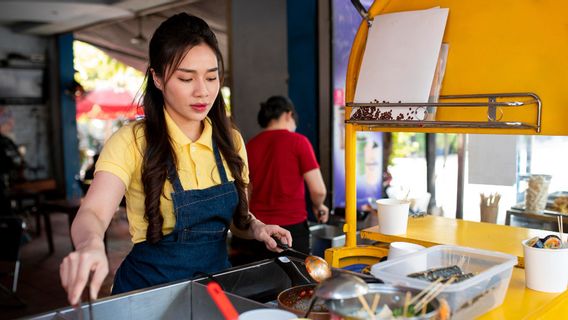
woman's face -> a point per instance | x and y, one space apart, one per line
193 87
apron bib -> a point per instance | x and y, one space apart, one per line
197 243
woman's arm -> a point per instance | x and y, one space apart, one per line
317 190
87 232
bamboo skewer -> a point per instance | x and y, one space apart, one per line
433 294
375 304
561 230
425 291
366 306
406 304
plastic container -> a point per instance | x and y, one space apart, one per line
467 299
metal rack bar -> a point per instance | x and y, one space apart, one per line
444 124
492 104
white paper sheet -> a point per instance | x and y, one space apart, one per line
492 159
400 58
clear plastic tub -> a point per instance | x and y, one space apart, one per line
467 299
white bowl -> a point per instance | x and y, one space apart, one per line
264 314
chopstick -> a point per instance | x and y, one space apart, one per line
426 290
375 304
406 304
561 230
433 294
366 306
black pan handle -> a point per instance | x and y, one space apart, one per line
296 276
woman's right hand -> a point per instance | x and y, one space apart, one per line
76 268
322 213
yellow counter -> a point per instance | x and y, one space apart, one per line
520 302
429 231
523 303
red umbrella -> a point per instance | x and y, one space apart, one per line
108 104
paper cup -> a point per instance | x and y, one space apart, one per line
410 264
263 314
399 249
393 216
546 269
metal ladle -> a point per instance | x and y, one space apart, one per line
317 267
342 286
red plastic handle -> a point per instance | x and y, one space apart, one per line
222 302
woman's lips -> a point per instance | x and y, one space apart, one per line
199 107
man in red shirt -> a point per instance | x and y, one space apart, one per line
280 160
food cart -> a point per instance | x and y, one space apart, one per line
499 38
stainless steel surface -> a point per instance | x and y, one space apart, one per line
389 295
491 105
204 308
181 300
172 301
324 236
343 286
252 286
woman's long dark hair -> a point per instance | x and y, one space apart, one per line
169 44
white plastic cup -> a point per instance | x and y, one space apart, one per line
264 314
393 216
546 270
410 264
400 249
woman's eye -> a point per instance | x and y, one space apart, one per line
212 79
185 80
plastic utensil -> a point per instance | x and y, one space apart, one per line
223 303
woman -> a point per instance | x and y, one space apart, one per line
280 161
183 170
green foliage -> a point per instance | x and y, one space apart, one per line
411 144
447 143
407 144
95 69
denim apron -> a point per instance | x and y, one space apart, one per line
197 243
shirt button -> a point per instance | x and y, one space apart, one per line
192 148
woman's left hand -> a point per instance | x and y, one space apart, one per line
265 232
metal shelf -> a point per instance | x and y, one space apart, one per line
524 99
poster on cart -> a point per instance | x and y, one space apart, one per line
345 22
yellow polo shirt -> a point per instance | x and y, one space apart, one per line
122 156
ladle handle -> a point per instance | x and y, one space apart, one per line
280 244
286 247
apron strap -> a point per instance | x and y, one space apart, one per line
219 162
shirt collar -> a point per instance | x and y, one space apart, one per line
180 139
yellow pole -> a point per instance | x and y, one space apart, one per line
355 57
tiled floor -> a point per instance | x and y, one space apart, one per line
39 286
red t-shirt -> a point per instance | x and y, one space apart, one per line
277 161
